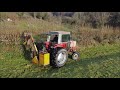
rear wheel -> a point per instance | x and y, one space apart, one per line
60 58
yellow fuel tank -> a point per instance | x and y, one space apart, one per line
44 59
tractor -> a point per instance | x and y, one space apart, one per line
58 44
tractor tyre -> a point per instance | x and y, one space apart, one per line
59 59
75 56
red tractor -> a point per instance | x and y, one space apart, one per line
59 45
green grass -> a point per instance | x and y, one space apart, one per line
95 62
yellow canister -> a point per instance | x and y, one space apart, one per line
44 59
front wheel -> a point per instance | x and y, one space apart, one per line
75 56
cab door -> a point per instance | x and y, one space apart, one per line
66 41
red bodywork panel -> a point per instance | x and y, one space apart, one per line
47 44
61 45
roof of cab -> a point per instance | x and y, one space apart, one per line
59 32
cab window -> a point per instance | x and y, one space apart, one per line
65 38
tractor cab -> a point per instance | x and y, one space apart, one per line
60 39
58 36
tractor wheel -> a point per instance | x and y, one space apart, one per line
60 58
75 56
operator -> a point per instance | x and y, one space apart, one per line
55 38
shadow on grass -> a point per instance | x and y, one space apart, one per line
26 53
83 63
86 61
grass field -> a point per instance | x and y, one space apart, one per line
100 56
95 62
